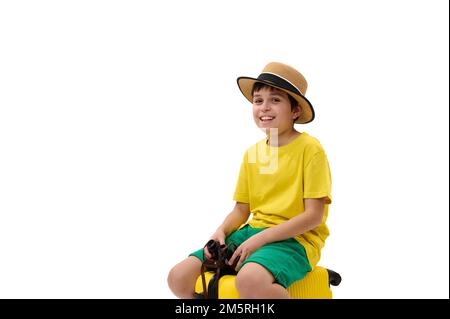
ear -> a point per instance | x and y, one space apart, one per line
296 112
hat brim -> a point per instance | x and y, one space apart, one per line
307 115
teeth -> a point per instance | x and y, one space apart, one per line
265 118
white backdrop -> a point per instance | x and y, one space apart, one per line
122 130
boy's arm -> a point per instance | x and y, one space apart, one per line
236 218
309 219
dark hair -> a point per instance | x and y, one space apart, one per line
258 86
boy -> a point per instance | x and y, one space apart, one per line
285 182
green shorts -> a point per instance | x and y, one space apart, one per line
286 260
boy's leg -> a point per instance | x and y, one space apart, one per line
271 269
182 277
255 281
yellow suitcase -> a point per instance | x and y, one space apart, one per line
315 285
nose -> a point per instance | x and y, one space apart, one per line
265 106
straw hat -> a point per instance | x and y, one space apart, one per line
285 78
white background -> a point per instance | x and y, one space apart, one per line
122 130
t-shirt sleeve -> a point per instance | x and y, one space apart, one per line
317 178
241 191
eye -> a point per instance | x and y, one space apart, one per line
276 100
257 101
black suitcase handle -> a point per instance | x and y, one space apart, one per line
334 278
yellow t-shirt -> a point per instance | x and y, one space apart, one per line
275 180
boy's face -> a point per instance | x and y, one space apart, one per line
272 109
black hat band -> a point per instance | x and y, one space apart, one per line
280 82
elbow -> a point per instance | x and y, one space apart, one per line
243 210
315 220
315 209
313 224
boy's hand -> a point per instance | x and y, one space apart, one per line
247 248
218 236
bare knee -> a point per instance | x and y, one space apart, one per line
182 277
252 279
246 286
175 279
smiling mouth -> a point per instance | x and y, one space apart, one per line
266 118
